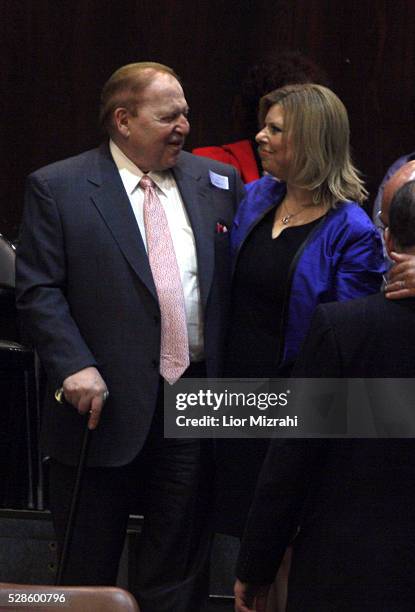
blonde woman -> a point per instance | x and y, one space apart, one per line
300 238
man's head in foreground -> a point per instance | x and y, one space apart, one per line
400 232
144 111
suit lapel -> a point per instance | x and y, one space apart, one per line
111 200
195 198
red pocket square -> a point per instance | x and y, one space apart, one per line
221 228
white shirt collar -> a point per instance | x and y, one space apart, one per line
131 174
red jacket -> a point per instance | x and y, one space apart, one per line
239 154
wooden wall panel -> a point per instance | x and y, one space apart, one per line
56 54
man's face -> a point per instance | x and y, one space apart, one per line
157 133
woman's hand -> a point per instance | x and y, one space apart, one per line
250 597
401 277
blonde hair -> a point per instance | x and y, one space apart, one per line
318 126
124 87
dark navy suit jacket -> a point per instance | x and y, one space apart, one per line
351 499
86 294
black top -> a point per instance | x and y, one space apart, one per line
259 289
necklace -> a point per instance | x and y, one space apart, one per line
287 218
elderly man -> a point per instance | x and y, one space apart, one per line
346 503
122 283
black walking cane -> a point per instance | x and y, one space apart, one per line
74 499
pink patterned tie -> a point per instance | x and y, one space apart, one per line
174 347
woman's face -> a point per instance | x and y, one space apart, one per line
274 147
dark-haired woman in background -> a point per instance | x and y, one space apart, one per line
285 68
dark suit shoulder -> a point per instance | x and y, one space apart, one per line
374 336
376 307
75 164
352 310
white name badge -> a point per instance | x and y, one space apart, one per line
222 182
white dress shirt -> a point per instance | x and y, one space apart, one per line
181 233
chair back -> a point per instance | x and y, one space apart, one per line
7 263
73 598
8 321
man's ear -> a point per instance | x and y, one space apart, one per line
389 241
121 121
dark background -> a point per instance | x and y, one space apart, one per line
55 56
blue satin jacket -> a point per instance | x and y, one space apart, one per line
341 259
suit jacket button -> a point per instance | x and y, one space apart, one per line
155 363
